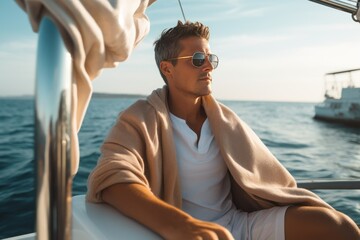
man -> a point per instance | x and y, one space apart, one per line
187 167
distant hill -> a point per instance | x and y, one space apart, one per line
18 97
116 95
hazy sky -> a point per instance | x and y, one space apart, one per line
269 50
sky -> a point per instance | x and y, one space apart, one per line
275 50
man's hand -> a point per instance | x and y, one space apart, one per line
194 229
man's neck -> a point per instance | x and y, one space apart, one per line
191 110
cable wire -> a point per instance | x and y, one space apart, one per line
182 11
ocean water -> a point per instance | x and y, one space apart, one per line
309 149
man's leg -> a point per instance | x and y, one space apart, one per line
304 222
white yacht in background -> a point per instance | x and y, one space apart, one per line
342 99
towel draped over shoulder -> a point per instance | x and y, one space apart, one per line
98 34
140 149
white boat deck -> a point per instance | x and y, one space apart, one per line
101 222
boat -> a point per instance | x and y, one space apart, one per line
58 214
342 99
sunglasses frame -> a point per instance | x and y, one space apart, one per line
192 59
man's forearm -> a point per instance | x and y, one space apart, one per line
138 202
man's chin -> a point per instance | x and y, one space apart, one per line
206 93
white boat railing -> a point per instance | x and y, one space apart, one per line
52 134
349 6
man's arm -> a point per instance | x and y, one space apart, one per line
139 203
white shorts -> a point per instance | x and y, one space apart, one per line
265 224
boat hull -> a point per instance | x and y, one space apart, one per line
345 110
348 122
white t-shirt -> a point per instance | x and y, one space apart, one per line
204 177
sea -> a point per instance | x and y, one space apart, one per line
308 148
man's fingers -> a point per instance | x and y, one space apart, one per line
217 233
225 234
210 235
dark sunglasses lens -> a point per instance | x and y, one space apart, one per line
198 59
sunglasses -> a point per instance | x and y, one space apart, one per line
198 59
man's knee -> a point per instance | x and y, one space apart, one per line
338 220
314 217
321 222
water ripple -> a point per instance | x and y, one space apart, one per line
275 144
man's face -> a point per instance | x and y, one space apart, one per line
186 79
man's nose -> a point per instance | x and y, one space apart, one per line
207 64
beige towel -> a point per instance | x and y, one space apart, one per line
98 34
140 149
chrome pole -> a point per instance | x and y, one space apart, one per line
349 6
52 134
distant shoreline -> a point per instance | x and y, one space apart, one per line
117 95
94 95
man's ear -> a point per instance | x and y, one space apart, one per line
166 68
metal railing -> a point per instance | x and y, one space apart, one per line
331 184
52 134
349 6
